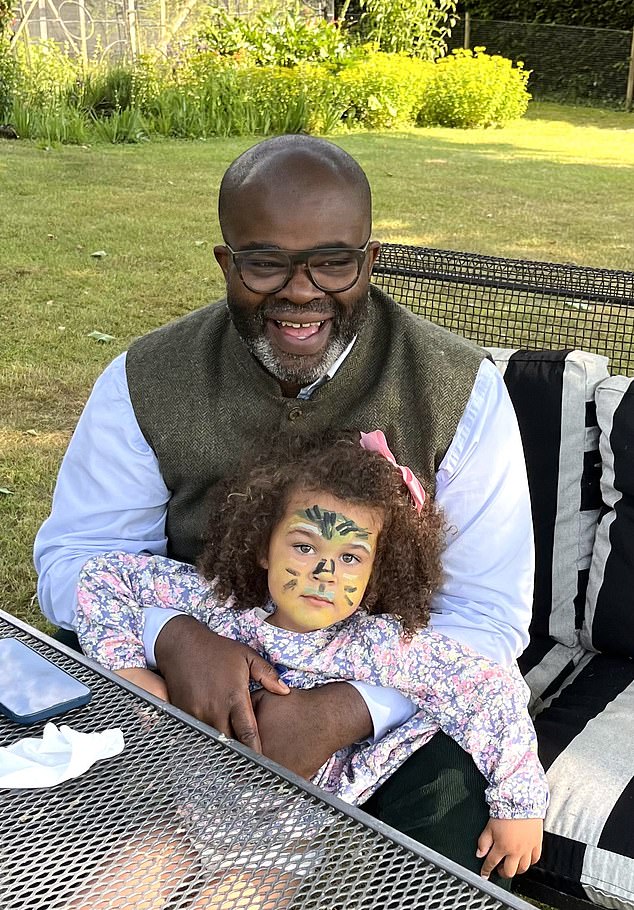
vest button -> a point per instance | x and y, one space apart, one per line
294 413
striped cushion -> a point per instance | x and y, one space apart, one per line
585 734
609 615
553 396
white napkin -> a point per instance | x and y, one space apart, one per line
59 755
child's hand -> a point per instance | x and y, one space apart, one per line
145 679
512 843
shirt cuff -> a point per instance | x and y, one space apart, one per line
153 621
388 708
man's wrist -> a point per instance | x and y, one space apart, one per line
349 714
174 636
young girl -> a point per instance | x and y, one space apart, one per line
323 556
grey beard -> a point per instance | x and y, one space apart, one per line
252 329
301 375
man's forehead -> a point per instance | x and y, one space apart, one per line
298 216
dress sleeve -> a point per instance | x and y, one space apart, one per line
113 593
483 706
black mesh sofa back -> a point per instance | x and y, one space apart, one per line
513 303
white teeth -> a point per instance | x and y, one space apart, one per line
300 325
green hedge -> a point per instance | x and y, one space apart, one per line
203 95
598 14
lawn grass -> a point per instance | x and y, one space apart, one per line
558 185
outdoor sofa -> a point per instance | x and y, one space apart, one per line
563 338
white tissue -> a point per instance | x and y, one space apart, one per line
60 754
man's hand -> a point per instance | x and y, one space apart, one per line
512 843
302 730
208 676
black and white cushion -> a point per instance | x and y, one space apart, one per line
586 744
553 396
609 615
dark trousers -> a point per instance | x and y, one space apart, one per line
437 798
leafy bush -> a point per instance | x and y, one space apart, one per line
415 27
305 98
6 15
384 90
281 35
47 74
473 89
8 78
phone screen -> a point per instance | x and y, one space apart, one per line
32 688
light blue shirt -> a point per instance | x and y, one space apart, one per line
110 495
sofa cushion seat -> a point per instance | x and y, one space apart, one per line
586 744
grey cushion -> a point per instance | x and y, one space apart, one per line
553 396
608 624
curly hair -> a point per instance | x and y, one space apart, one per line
245 508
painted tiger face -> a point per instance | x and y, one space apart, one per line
320 560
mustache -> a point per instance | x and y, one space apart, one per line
274 309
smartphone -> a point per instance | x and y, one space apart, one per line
32 688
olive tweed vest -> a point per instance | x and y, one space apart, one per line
202 401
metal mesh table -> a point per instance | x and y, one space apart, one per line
183 819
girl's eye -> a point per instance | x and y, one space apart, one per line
303 548
350 559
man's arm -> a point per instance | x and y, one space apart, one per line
109 496
485 601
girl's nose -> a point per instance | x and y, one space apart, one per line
325 570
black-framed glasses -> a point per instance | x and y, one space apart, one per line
268 271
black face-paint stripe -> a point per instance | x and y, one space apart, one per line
292 572
290 584
350 527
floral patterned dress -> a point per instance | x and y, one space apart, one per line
480 704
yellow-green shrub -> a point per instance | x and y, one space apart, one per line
473 89
383 90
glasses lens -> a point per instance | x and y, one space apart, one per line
335 270
264 272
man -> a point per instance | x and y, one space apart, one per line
303 342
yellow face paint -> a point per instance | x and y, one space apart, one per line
319 560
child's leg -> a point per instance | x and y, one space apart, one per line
264 889
141 874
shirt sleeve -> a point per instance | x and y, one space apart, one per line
110 495
485 601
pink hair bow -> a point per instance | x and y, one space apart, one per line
376 442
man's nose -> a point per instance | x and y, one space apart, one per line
299 288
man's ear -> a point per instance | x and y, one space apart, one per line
374 250
223 259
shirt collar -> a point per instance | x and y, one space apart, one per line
305 393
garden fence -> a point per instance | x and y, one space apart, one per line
568 63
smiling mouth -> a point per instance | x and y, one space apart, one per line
305 336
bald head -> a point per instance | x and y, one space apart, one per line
284 170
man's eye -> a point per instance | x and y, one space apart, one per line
350 559
303 548
334 263
264 265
